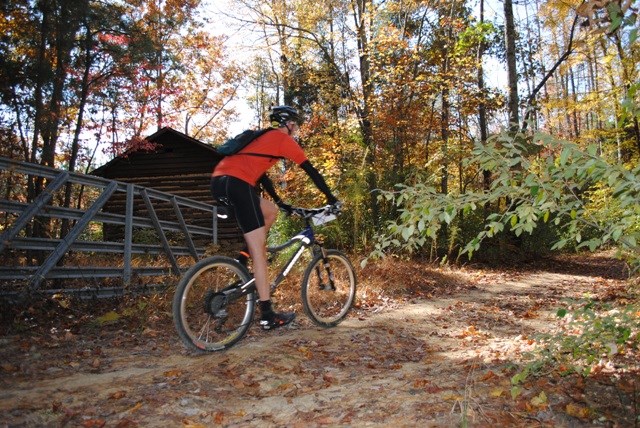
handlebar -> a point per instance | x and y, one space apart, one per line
310 212
319 216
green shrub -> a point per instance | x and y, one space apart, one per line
592 336
570 197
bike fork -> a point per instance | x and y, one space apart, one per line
325 262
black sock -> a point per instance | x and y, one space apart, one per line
265 308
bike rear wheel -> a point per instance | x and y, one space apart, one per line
210 312
328 288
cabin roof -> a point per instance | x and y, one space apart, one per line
165 136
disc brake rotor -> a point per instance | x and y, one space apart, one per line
214 304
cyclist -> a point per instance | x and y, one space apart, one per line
234 181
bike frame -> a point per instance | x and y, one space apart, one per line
305 239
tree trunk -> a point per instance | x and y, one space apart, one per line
362 11
574 98
482 108
512 71
626 75
75 144
444 135
34 185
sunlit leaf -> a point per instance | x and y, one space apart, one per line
540 400
109 317
515 392
496 392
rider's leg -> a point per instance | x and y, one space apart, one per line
256 241
270 213
257 244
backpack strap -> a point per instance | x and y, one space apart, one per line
263 155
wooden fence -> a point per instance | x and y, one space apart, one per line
49 246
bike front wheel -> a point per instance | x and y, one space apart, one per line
328 288
210 310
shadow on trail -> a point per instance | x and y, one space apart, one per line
589 265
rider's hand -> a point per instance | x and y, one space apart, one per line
285 208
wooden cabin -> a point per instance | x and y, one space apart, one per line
177 164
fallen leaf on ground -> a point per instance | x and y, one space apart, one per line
190 424
496 392
118 395
540 400
578 411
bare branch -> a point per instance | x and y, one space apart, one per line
532 97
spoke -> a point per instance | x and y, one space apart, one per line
206 328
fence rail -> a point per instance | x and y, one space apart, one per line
48 245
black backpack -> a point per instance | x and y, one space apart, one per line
240 141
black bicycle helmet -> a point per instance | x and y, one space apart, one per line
283 114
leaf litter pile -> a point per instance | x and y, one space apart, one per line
425 346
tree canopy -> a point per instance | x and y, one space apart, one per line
399 97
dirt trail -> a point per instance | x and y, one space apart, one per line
440 361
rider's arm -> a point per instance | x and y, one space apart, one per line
318 181
268 186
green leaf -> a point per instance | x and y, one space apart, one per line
616 234
520 376
560 244
561 313
564 156
407 232
515 392
630 241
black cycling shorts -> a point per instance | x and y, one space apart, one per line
244 199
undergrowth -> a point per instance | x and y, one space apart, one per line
594 337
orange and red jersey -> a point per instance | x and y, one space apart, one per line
250 168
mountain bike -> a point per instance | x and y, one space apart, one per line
215 300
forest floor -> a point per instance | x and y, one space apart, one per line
425 346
